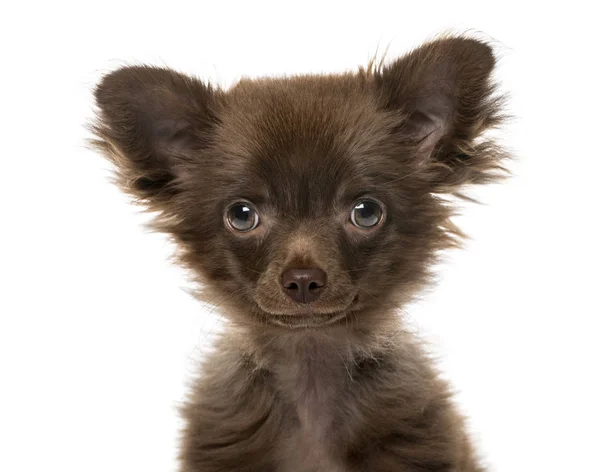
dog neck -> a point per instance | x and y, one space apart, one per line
314 365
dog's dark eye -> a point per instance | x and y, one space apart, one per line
366 214
242 217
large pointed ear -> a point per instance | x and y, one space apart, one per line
151 123
444 99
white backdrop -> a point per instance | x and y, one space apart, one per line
97 334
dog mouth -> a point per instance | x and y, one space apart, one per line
308 317
314 320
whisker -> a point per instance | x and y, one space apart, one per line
339 355
403 177
204 333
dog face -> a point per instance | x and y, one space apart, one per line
309 200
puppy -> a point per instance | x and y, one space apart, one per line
311 208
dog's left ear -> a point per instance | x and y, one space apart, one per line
445 99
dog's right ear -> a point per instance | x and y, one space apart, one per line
152 123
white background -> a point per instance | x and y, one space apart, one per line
97 335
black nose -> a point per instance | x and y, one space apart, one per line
303 285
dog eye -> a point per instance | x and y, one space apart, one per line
366 214
242 217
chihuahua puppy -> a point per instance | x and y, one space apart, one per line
312 208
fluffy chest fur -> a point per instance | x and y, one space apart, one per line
313 377
311 403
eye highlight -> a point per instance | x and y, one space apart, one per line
242 217
366 214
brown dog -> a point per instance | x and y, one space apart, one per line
311 207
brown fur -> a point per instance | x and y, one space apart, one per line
336 385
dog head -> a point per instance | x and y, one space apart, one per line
303 201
